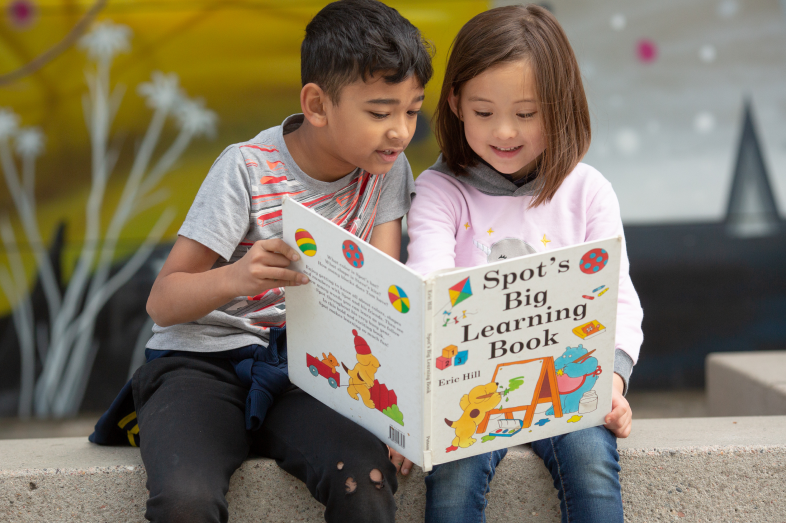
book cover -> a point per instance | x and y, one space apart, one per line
459 362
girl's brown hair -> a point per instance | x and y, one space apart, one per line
510 34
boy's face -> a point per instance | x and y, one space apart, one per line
373 122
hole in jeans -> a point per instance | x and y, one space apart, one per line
377 479
351 485
340 465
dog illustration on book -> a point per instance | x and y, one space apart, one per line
361 376
577 372
475 405
330 361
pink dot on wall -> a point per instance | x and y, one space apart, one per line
21 13
646 51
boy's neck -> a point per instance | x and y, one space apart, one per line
311 153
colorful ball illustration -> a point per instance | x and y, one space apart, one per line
398 298
305 242
594 261
352 254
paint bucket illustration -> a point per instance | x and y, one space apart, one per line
589 402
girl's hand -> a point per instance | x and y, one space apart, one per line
402 464
263 268
620 419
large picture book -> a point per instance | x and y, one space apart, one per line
458 362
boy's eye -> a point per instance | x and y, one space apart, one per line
482 115
525 115
378 116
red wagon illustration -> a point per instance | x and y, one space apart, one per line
317 368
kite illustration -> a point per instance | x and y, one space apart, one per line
460 292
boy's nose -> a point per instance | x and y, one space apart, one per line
400 132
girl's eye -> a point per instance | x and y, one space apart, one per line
482 115
413 113
525 115
378 116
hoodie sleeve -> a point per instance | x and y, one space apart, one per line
432 224
603 221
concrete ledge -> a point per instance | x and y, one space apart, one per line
746 383
699 469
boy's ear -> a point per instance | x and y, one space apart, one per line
312 102
453 101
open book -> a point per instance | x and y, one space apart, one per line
459 362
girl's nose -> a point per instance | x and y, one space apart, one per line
505 130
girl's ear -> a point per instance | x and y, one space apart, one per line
312 102
453 101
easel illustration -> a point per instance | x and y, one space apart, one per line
545 392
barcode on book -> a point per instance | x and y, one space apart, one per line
397 437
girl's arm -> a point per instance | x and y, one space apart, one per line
603 221
387 238
432 224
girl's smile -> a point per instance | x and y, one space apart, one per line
502 118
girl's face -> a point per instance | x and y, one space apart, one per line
502 118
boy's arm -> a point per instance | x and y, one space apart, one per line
387 238
187 288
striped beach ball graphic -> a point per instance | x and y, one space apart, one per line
594 261
352 254
398 298
305 242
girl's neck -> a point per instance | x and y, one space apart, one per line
519 182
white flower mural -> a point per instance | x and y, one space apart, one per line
65 342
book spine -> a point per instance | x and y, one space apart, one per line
428 364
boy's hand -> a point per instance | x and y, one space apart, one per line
402 464
620 419
263 268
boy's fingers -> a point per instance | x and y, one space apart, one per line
406 467
285 277
278 245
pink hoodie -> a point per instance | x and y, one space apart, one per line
457 221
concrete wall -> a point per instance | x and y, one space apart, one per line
700 469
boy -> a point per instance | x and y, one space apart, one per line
218 302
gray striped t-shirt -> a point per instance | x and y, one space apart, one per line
239 203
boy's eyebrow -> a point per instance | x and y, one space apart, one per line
393 101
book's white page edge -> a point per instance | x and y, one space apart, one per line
312 332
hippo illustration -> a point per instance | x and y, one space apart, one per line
505 249
577 373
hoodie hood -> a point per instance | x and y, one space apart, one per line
487 180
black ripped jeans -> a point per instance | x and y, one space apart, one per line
191 412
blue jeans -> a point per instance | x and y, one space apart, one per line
584 465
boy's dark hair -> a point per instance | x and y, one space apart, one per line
505 35
352 39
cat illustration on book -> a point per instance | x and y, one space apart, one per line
361 376
475 405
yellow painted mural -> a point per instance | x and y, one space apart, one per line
240 58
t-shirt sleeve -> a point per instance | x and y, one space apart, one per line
219 216
395 197
604 221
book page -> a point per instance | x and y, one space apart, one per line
355 333
525 349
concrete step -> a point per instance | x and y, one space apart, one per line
689 469
746 383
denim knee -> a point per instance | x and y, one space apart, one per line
456 491
585 468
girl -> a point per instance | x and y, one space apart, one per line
513 123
